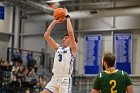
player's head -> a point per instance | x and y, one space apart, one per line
66 39
108 60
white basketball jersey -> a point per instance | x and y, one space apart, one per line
63 62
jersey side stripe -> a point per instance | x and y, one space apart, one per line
69 88
70 66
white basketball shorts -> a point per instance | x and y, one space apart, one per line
59 84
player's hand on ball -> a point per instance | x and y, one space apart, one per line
61 20
66 11
59 14
57 21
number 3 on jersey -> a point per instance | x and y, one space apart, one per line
60 57
113 85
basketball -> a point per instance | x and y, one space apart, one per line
59 14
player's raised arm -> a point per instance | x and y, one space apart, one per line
48 37
71 33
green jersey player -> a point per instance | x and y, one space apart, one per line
112 80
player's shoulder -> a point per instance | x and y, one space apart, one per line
123 73
100 75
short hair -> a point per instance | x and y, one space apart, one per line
76 40
109 58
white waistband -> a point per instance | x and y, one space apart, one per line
56 75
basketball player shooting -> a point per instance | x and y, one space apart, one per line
61 81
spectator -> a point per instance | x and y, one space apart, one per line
30 60
13 76
37 87
28 77
27 90
43 81
33 75
14 71
17 56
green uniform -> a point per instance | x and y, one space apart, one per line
112 82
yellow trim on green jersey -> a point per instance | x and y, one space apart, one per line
111 71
